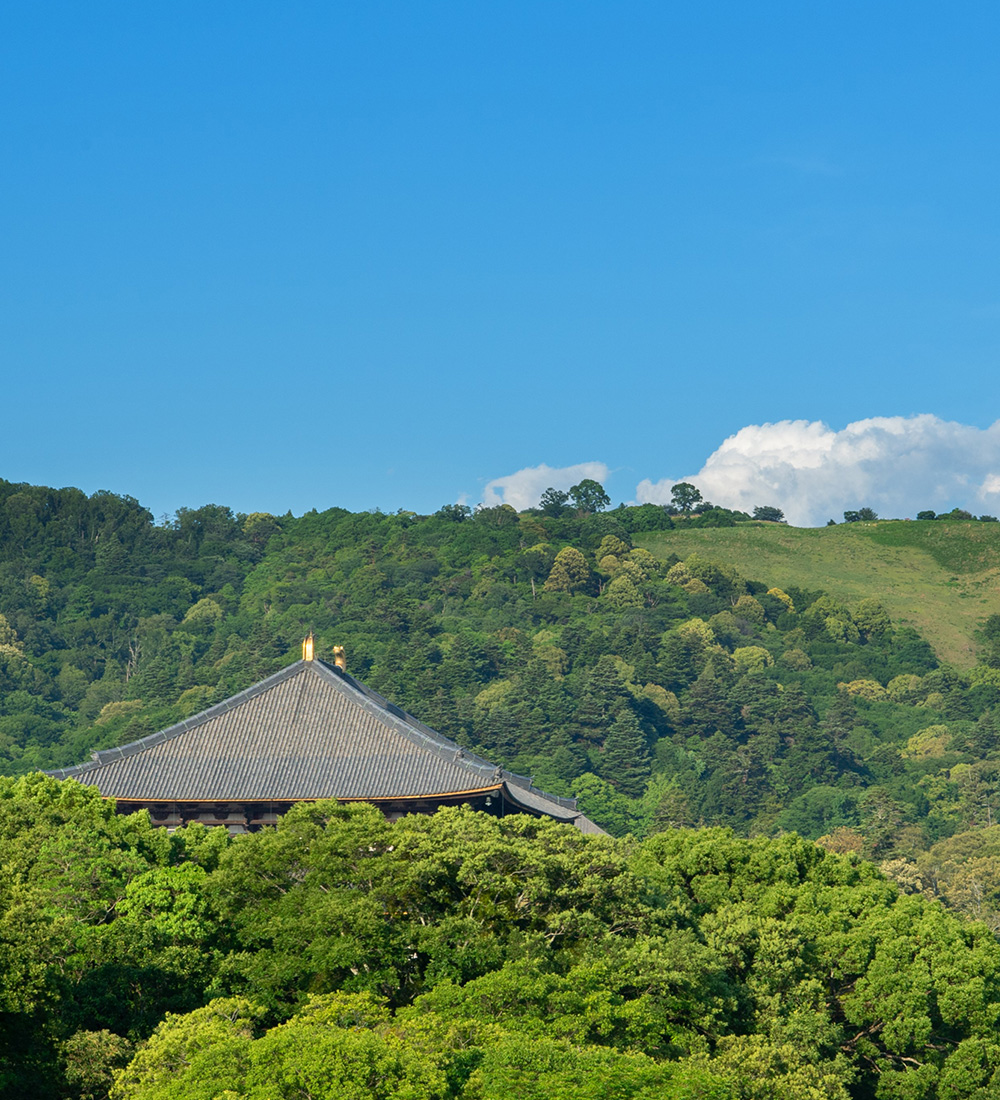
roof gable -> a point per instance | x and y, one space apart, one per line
310 731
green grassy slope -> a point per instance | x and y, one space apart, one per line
943 578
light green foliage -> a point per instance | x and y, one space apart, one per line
665 701
8 636
650 565
610 809
338 1047
622 593
904 689
720 579
796 659
609 565
89 1059
841 629
964 872
195 699
569 572
696 632
110 712
752 658
537 560
547 1069
679 573
871 618
204 613
780 594
495 694
724 625
871 690
614 546
985 675
192 1057
755 1068
930 742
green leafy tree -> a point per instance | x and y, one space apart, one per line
259 528
623 593
338 1048
871 619
588 496
569 572
866 515
499 515
684 496
604 804
454 513
553 502
202 1054
90 1059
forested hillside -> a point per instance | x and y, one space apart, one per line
659 691
665 690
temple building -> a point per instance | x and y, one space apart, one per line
308 732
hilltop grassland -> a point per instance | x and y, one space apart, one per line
940 577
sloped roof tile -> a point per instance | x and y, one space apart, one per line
310 731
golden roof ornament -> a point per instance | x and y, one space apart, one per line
308 648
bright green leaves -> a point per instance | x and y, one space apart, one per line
469 957
364 905
338 1047
192 1057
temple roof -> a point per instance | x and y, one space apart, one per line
310 731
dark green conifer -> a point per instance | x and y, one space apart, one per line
625 759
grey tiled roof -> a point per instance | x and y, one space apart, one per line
310 731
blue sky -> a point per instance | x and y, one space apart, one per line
381 255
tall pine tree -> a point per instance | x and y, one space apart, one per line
625 759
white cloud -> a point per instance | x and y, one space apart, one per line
523 489
898 465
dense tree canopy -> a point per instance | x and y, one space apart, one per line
460 955
478 957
